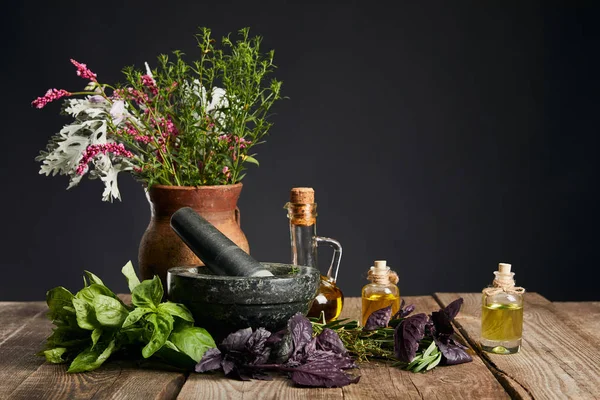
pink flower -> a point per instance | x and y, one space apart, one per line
83 71
149 82
94 149
51 95
225 169
130 94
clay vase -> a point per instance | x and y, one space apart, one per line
161 248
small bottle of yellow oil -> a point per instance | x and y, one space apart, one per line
382 292
502 313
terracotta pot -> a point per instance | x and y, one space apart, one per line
161 248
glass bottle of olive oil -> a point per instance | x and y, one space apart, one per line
382 292
502 313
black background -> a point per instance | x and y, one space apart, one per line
444 137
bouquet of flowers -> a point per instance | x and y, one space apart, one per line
181 124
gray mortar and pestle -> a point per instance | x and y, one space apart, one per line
235 291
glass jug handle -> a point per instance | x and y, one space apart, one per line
337 255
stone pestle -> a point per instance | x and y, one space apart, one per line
217 251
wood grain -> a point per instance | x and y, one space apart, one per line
466 381
584 314
114 380
557 359
14 316
17 351
217 386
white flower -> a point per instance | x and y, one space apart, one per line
117 111
218 99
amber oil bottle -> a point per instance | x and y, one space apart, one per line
382 292
502 313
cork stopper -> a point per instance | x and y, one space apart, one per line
380 266
504 278
504 268
302 195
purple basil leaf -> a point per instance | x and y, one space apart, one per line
321 373
228 366
276 337
329 340
301 329
263 357
453 308
211 360
236 341
378 319
442 324
453 352
256 341
404 312
340 361
407 336
310 348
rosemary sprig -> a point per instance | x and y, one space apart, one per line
367 346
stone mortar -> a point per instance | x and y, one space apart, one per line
224 304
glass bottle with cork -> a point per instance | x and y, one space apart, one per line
502 313
382 292
302 213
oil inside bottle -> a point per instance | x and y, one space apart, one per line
377 301
329 301
502 313
502 322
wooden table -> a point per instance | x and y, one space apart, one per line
560 358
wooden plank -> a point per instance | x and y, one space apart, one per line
465 381
14 316
17 352
557 359
585 314
114 380
378 380
216 386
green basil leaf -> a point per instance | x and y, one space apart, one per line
93 278
170 345
88 294
96 336
109 311
193 341
148 294
135 315
133 334
57 299
90 359
85 315
54 356
132 279
171 355
176 310
68 336
162 325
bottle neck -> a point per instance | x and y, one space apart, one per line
504 280
302 214
303 219
382 277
